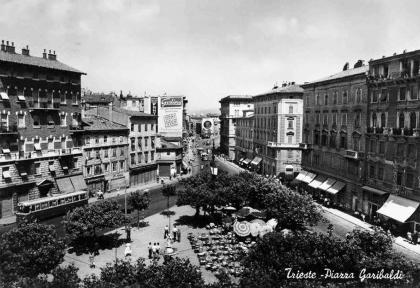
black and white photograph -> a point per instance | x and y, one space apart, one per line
209 144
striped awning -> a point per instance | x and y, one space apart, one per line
317 181
308 177
301 175
327 184
334 189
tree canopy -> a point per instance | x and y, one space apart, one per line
139 201
29 250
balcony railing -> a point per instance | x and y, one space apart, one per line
75 127
16 156
282 145
44 105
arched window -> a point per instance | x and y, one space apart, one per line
345 98
383 120
317 100
413 120
357 120
335 98
374 120
326 99
401 120
359 95
50 120
36 120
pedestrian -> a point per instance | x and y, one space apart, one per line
415 238
128 233
363 217
149 248
166 232
154 250
178 235
92 261
174 233
410 239
127 251
348 236
158 250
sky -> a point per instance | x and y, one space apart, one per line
208 49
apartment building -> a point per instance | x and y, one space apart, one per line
39 111
244 149
231 108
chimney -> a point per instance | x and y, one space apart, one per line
293 83
346 66
12 48
284 84
359 63
44 55
51 56
3 47
25 51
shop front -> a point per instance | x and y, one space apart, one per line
373 199
95 184
116 182
142 175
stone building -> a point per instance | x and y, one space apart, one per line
169 159
278 130
244 149
392 177
334 136
39 111
231 108
105 152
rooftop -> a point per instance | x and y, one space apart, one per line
98 98
96 123
247 98
36 61
283 89
133 113
342 74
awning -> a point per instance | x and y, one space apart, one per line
65 168
398 208
6 151
308 177
327 184
246 161
21 98
37 146
51 168
301 175
256 160
78 183
4 96
374 191
64 185
317 181
6 174
23 174
336 187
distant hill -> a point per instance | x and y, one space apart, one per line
203 111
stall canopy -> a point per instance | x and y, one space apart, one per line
301 175
327 184
374 190
246 161
398 208
308 177
317 181
334 189
256 160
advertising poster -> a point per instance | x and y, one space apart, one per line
171 116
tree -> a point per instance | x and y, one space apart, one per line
84 222
29 250
139 202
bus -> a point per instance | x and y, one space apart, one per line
48 207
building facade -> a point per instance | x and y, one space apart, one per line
169 159
231 108
105 151
278 130
334 136
392 162
244 149
39 109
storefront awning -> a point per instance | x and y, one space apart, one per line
6 174
6 151
398 208
334 189
21 98
4 96
301 175
308 177
317 181
78 183
246 161
327 184
37 146
256 160
374 191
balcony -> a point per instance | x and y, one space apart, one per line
8 129
305 146
44 105
75 128
356 155
22 156
283 145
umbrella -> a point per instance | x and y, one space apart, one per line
254 228
229 208
272 223
259 221
241 228
264 230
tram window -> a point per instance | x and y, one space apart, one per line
24 209
44 205
75 198
33 208
36 207
82 196
53 203
61 202
68 199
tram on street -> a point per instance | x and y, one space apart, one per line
48 207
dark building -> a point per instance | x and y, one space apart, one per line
334 127
392 176
40 110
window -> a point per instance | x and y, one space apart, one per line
21 121
372 146
413 93
121 151
122 165
359 95
333 140
133 145
87 140
382 147
326 99
335 98
400 150
317 100
145 127
372 171
411 151
105 153
146 142
401 120
399 178
62 98
139 140
50 120
152 140
139 157
133 161
289 139
105 138
345 97
97 140
316 137
343 140
356 143
383 120
289 153
152 156
413 120
146 157
63 120
381 173
290 125
374 120
324 139
139 126
357 120
132 127
114 152
106 167
384 95
152 127
37 122
334 119
74 98
374 96
402 94
121 139
325 120
344 119
114 166
409 180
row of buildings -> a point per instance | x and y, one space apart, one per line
54 139
356 137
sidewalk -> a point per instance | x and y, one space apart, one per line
397 240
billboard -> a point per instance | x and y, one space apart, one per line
170 116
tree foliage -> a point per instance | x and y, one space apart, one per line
84 222
29 250
139 201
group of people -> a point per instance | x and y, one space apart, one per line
154 251
413 237
176 233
